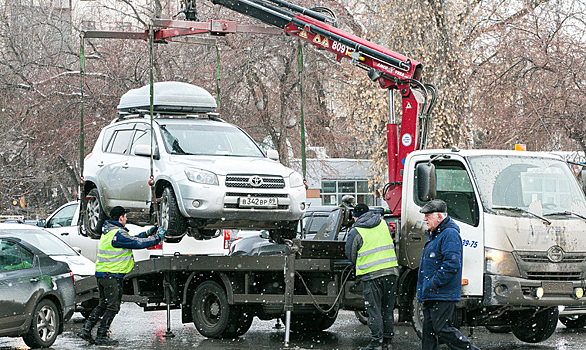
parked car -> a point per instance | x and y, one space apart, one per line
37 292
83 269
64 223
313 220
209 175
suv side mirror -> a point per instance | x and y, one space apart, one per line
426 181
272 154
145 151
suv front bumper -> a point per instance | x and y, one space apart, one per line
221 203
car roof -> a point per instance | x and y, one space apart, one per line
318 208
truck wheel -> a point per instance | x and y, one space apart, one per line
45 325
211 313
240 322
88 306
170 217
574 321
94 217
499 329
362 316
416 315
539 327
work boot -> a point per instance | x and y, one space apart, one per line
373 345
387 344
90 323
102 337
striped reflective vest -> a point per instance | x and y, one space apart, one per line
113 260
377 251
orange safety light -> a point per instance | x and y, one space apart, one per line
464 281
520 147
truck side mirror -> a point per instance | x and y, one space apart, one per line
426 181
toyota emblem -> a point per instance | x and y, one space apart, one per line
555 254
255 181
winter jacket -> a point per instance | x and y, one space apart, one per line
440 269
122 239
354 243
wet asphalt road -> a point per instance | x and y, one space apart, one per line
136 329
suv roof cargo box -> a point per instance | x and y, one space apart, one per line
170 97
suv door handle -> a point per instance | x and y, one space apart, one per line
33 280
64 233
101 164
125 166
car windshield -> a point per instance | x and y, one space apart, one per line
514 185
43 241
200 139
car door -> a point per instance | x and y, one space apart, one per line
114 166
61 223
136 189
20 281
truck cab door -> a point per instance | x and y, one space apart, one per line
455 186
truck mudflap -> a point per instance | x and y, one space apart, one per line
514 291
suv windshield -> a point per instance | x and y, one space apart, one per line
510 184
200 139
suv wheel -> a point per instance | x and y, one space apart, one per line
171 218
94 217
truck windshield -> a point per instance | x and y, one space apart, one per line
198 139
514 185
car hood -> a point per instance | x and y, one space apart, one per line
223 165
78 264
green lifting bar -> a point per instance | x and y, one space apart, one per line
152 93
81 126
300 70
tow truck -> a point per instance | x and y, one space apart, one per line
522 217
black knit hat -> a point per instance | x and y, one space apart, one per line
434 206
117 212
360 209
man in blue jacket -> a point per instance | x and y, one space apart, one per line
114 261
370 247
439 282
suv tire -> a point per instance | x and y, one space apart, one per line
170 217
94 216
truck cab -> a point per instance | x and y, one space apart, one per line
521 216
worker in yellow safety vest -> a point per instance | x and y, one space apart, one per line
114 261
370 247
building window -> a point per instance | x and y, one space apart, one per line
332 191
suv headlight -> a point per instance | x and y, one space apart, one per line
498 262
295 179
201 176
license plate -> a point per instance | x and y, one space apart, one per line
258 202
557 287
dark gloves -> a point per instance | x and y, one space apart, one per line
161 233
152 231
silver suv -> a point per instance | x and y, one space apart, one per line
207 174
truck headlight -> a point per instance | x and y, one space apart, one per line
295 179
201 176
498 262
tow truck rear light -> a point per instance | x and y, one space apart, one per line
156 247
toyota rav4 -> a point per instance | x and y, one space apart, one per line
207 174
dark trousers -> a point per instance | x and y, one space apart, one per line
436 326
110 291
379 299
